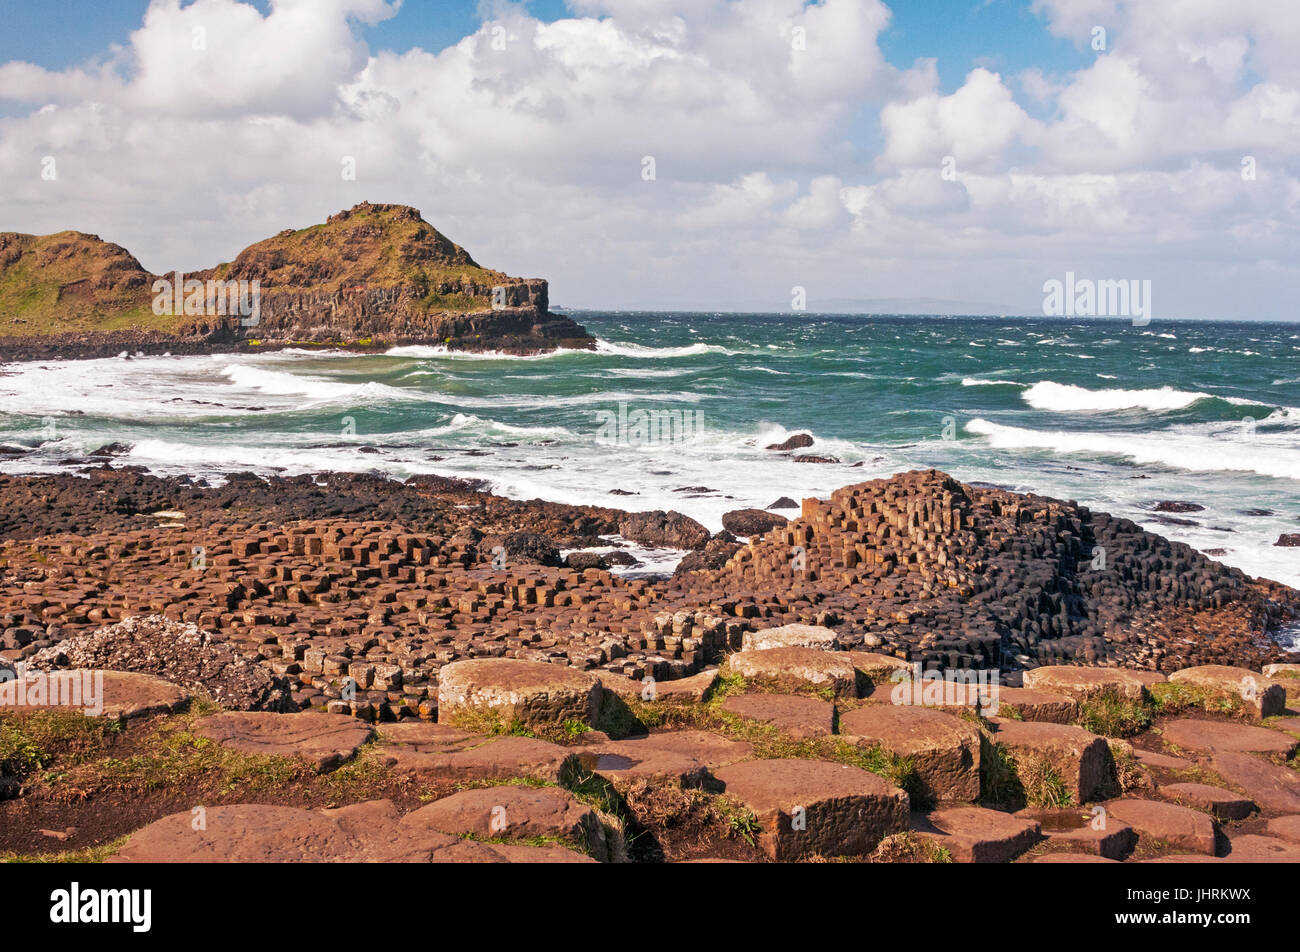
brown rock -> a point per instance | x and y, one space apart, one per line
117 695
687 758
1166 823
1259 696
1222 804
797 668
439 751
977 835
1084 683
515 811
1080 758
1253 848
1034 705
811 807
1221 735
1272 787
323 740
945 750
516 692
799 717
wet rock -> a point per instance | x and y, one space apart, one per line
1288 539
794 442
1175 506
785 502
751 522
809 458
659 528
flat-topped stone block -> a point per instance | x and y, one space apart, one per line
944 749
815 808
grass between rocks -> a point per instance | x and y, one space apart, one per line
623 716
1110 715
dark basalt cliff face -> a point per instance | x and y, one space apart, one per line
370 277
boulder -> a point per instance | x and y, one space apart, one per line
944 749
815 808
880 667
798 669
514 691
751 522
665 529
796 441
789 636
323 740
1260 697
1166 823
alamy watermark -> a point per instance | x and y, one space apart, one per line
648 427
71 689
1084 297
976 688
195 298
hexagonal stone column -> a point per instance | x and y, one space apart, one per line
516 692
812 807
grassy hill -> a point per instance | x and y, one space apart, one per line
74 282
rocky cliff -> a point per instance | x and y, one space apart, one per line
369 277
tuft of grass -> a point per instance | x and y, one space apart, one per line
91 854
907 847
1169 698
1110 715
33 740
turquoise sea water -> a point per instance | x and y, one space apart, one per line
1206 412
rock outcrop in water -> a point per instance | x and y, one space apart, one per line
372 276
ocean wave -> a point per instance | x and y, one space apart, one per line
976 382
1178 449
1066 398
642 352
280 383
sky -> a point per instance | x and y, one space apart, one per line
703 154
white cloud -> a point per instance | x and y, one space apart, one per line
775 164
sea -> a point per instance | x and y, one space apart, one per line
676 411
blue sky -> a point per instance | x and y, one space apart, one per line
1003 35
965 150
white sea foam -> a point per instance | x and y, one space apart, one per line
1191 448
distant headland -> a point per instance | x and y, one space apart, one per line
368 278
